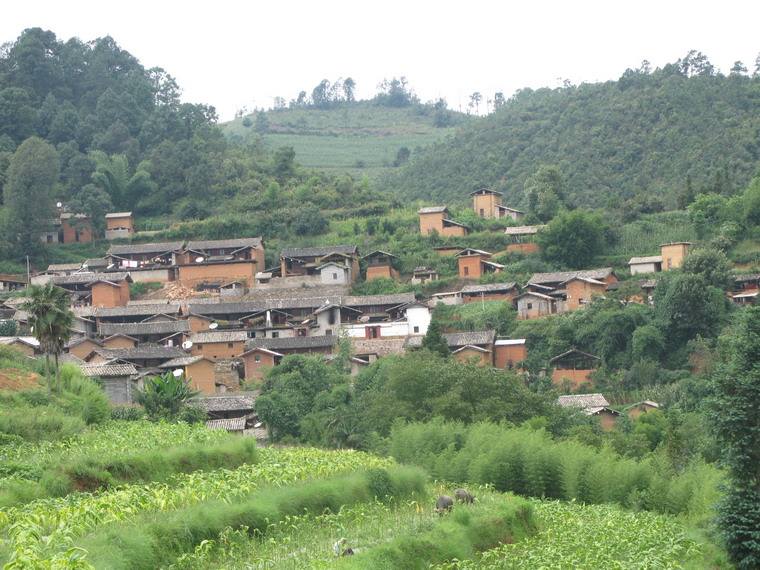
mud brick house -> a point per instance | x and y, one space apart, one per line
227 407
471 346
69 228
509 353
120 225
592 405
166 332
523 239
556 279
82 347
27 345
150 261
380 265
258 361
216 273
242 249
436 219
142 356
533 305
573 368
636 410
487 204
295 345
135 313
119 341
120 381
300 261
474 263
579 291
673 254
198 370
490 292
12 282
216 344
422 275
97 289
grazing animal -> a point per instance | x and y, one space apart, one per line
464 496
348 551
443 504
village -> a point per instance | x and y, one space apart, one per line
220 319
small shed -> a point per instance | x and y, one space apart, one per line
573 366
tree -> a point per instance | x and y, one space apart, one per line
402 156
284 161
50 319
28 193
434 340
735 418
498 100
738 69
165 396
573 238
261 125
96 203
712 265
475 100
349 85
545 192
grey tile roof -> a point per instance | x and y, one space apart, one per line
489 288
89 277
562 276
219 336
485 191
149 328
108 370
117 215
64 266
458 339
318 251
231 403
143 352
138 310
229 424
369 300
181 361
163 247
432 210
583 401
292 343
522 230
239 243
95 262
645 259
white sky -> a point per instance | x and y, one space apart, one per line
233 54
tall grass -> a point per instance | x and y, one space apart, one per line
529 463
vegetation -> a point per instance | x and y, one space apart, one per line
165 396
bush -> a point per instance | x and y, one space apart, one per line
41 423
127 413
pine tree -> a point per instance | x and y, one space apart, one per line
434 341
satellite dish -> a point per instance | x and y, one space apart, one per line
212 326
258 424
198 260
59 204
177 372
110 266
187 344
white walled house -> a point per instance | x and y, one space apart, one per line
332 273
650 264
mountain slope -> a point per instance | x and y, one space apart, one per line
641 135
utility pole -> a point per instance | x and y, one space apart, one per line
28 273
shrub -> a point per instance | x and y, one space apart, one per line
41 423
127 413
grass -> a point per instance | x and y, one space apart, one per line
644 236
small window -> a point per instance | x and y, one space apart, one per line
199 346
482 213
257 358
275 334
466 270
416 329
530 306
328 332
335 275
229 345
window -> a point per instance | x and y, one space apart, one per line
301 332
76 235
482 213
229 345
466 270
199 346
416 329
530 306
335 275
331 317
372 332
275 334
257 358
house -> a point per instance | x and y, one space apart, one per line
490 292
28 345
142 356
673 254
119 341
216 344
533 305
636 410
592 405
422 275
103 290
239 405
198 371
380 265
523 239
82 347
216 272
746 287
649 264
436 219
509 353
120 225
147 255
574 368
135 313
12 282
119 380
487 204
579 291
335 273
412 318
169 332
307 260
555 279
473 346
258 361
295 345
68 228
474 263
446 298
447 250
243 249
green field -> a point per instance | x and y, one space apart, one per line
362 138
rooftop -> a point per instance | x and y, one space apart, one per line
219 336
137 310
238 402
118 215
489 288
485 191
108 370
90 277
563 276
239 243
458 339
229 424
645 259
433 210
523 230
143 352
149 328
292 343
163 247
182 361
583 401
318 251
64 266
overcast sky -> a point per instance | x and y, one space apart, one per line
234 54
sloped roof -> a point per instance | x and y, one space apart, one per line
645 259
368 300
137 310
509 208
229 424
573 351
432 210
318 251
583 401
162 247
485 191
523 230
488 288
379 252
231 403
143 352
95 262
219 336
292 343
473 251
458 339
118 215
137 329
562 276
28 340
90 277
238 243
108 370
182 361
509 342
64 266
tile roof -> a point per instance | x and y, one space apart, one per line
64 266
117 215
573 351
432 210
490 287
143 352
219 336
369 300
292 343
458 339
182 361
229 424
523 230
645 259
163 247
108 370
583 401
318 251
485 191
562 276
149 328
89 277
239 243
380 252
509 342
95 262
137 310
231 403
509 208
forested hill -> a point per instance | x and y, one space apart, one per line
647 134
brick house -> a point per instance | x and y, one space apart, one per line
509 353
12 282
142 356
216 272
581 290
120 225
436 219
592 405
300 261
523 239
673 254
198 371
487 204
295 345
477 346
144 255
573 367
81 347
137 312
555 279
490 292
169 332
68 228
533 305
216 344
119 341
258 361
636 410
474 263
380 265
422 275
105 290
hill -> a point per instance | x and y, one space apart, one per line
363 138
648 134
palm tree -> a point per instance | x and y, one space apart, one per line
50 318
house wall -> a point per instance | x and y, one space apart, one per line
607 420
216 350
125 223
332 275
575 377
469 355
453 231
431 222
381 272
84 228
418 320
387 330
83 349
106 295
470 267
119 390
538 308
524 248
198 324
636 411
256 370
291 281
673 255
151 275
507 356
194 274
119 342
24 349
478 297
201 376
637 268
578 290
485 205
